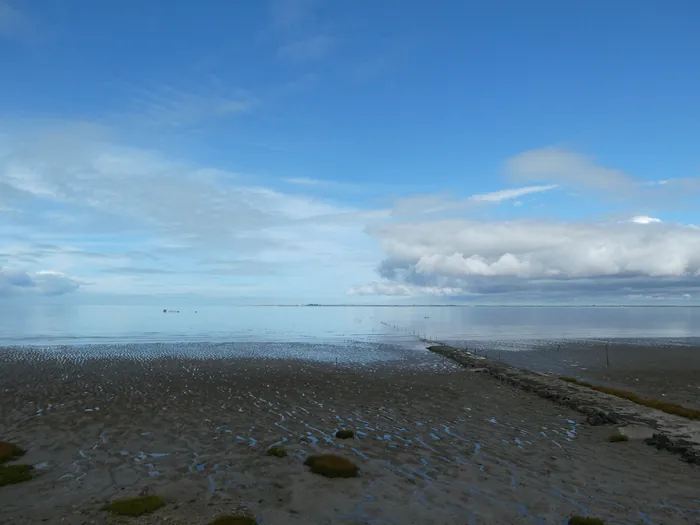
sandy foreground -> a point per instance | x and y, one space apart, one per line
436 444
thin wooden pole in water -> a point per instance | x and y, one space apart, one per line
607 354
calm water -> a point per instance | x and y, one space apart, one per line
505 327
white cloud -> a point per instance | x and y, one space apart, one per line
133 221
401 290
435 204
566 167
498 196
303 181
15 282
481 257
129 220
643 219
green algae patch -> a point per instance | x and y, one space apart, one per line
234 520
663 406
277 451
9 451
332 466
582 520
11 474
345 434
136 506
617 438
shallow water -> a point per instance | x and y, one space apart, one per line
507 328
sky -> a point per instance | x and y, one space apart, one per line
294 151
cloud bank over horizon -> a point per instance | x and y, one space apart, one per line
467 258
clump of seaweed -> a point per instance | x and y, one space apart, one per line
617 438
332 466
277 451
11 474
234 520
664 406
582 520
9 451
345 434
136 506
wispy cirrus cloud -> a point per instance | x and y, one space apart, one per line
437 204
170 107
514 193
304 181
564 166
302 39
138 222
307 49
290 15
581 173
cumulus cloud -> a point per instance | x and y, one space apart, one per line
499 257
14 281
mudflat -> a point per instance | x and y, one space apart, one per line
434 443
657 370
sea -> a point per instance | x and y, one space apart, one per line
501 327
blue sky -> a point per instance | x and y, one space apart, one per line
307 150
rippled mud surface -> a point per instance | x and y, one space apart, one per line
435 443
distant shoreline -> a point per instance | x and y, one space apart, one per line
478 305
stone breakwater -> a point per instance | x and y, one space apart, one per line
673 433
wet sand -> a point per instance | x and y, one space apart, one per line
436 444
657 370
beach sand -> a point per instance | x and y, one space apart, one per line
435 444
